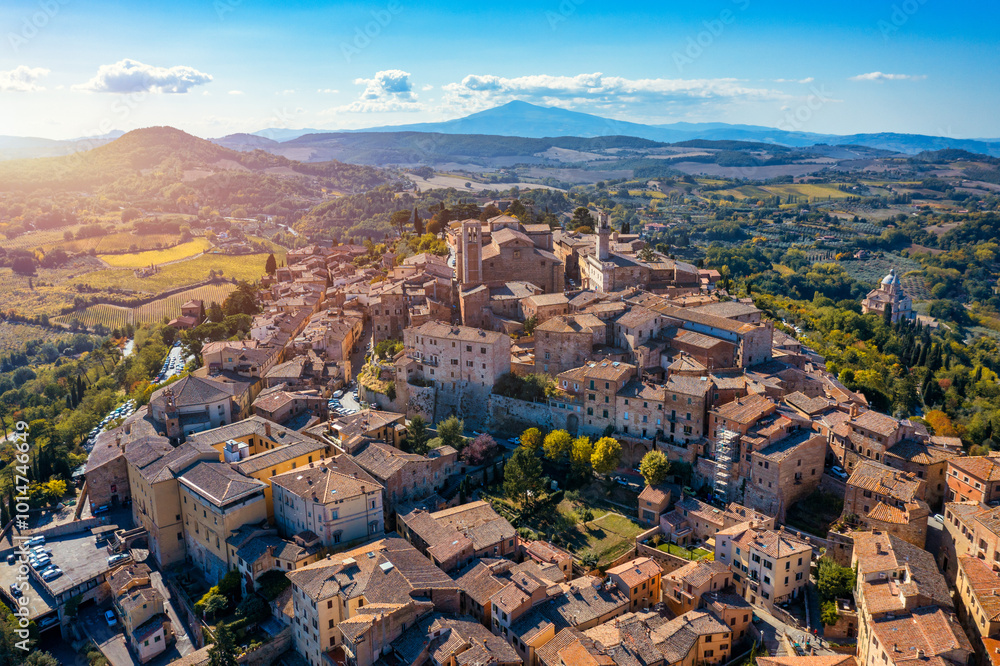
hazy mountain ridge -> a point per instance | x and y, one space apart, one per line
521 119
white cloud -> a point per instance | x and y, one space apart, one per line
130 76
879 77
388 91
290 91
22 79
328 91
808 79
477 92
235 92
427 87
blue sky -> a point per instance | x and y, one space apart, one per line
71 68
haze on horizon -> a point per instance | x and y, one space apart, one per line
216 67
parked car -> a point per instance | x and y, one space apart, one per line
337 394
40 563
839 472
118 559
109 617
51 573
36 541
15 591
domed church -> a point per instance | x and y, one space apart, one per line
889 293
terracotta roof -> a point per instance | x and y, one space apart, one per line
984 584
220 483
655 494
920 453
813 660
931 631
678 637
747 410
636 572
546 552
871 476
877 422
699 572
328 481
984 468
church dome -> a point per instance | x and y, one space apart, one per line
891 278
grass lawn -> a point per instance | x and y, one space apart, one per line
680 551
607 535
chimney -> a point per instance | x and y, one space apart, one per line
854 411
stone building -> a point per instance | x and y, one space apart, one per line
563 343
888 500
388 575
768 567
215 501
454 536
406 477
785 472
889 294
332 498
974 478
459 366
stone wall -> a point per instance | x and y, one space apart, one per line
268 652
840 547
846 627
190 619
669 563
420 400
509 415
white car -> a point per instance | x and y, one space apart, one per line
109 617
51 573
839 472
338 394
118 559
36 541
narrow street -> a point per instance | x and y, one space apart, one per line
772 628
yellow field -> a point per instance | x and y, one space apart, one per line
156 257
249 267
811 190
118 242
116 316
652 194
784 270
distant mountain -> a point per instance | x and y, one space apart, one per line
18 147
521 119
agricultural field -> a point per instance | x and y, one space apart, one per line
123 241
34 239
804 191
13 335
109 316
168 307
46 293
249 267
157 257
812 191
871 271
